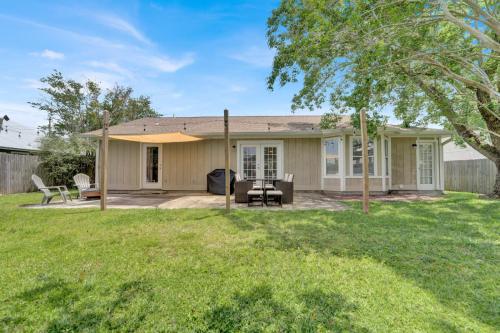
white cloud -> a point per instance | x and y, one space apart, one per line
49 54
105 80
168 65
124 26
33 84
256 56
110 66
92 40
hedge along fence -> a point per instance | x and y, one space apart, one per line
476 176
59 169
16 170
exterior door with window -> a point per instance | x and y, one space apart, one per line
151 166
425 166
260 161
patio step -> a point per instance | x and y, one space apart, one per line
138 192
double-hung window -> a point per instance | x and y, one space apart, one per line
357 157
332 157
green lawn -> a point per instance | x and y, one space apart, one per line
408 267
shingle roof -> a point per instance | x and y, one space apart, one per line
246 125
215 125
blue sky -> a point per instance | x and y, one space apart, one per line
192 57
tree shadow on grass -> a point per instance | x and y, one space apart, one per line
77 312
445 246
257 310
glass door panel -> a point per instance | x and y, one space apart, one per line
249 162
152 164
270 167
426 165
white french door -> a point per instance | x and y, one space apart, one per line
260 160
151 166
425 166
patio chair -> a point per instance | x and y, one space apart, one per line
47 190
286 186
241 188
82 182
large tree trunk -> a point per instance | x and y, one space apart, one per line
496 187
493 125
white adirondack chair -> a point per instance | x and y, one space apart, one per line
47 191
82 181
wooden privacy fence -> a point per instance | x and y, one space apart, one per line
16 171
476 176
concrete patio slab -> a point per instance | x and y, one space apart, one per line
302 201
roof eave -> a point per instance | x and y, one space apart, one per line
414 131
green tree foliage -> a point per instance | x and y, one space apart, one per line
74 108
432 60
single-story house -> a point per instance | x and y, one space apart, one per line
268 147
18 139
454 152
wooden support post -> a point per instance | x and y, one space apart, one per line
103 159
366 180
227 150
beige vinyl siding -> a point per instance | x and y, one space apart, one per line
356 184
302 157
331 184
124 165
404 163
185 165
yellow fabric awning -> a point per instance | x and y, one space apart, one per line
157 138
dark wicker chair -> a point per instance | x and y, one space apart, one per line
241 188
287 188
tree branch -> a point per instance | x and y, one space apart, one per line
491 21
484 39
446 107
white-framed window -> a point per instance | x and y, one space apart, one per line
386 156
357 156
331 159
